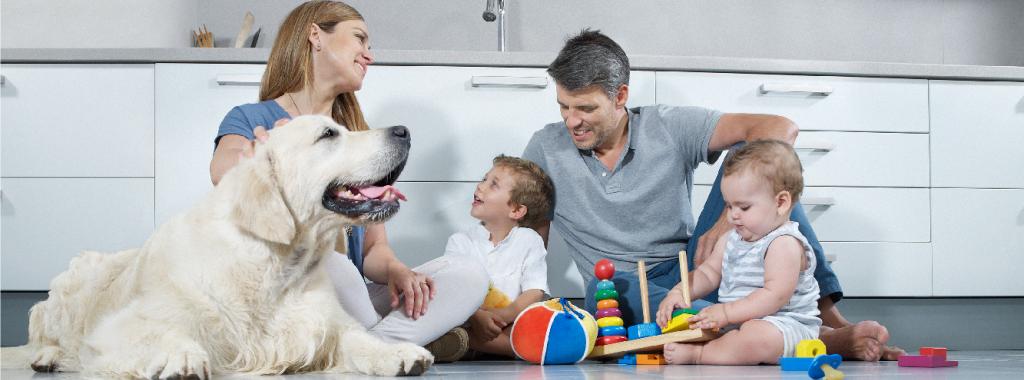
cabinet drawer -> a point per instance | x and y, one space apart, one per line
853 159
187 125
977 134
458 127
859 214
47 221
882 269
852 104
435 210
77 120
979 242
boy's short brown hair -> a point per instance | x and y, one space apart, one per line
773 160
532 188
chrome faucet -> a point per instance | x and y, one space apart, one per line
496 11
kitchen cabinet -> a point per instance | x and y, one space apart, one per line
47 221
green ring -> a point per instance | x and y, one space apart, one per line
606 294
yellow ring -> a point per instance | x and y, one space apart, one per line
609 321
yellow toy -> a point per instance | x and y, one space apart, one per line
677 323
495 299
810 348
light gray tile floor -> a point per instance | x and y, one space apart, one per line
973 365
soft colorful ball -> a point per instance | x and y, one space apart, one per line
553 332
604 269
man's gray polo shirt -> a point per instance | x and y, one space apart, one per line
639 210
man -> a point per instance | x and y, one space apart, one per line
623 180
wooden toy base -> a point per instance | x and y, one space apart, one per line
650 344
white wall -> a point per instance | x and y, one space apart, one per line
971 32
97 23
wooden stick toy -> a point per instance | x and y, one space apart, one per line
649 343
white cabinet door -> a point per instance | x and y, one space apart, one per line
47 221
882 269
435 210
641 89
851 214
978 242
80 120
977 134
851 104
191 101
853 159
457 128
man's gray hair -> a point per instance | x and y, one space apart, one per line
591 58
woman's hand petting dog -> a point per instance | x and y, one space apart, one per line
261 136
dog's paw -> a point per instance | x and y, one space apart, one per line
188 365
368 355
45 360
413 360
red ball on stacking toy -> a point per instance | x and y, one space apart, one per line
604 269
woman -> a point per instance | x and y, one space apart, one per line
318 61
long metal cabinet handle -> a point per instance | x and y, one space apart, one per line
806 88
509 82
239 79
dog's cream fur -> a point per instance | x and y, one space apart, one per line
236 283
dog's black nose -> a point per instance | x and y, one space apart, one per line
400 131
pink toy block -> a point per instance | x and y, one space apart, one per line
925 361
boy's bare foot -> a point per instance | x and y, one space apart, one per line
682 353
864 341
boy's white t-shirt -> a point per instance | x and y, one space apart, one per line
516 264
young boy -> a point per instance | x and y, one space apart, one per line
764 268
513 197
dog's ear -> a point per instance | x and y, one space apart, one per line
261 209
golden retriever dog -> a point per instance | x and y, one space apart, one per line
237 282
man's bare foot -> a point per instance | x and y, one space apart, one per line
682 353
892 353
863 341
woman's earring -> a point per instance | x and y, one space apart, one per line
317 47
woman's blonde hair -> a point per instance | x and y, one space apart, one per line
290 66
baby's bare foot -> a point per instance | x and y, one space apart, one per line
682 353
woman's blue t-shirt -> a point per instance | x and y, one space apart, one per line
243 119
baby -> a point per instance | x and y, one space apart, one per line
763 268
513 198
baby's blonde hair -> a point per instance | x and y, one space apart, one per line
774 161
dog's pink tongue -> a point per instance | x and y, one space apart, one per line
378 191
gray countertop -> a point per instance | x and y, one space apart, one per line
533 59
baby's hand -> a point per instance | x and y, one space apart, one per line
673 300
711 317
